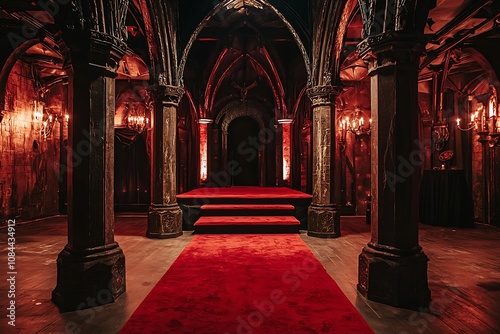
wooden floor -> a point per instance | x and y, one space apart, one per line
464 277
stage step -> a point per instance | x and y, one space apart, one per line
243 202
247 210
246 224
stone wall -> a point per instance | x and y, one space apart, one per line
29 180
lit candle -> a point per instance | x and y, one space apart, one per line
458 121
472 118
362 121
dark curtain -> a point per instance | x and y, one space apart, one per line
132 168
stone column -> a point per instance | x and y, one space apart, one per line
165 216
91 268
393 267
323 220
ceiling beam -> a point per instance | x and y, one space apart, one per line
466 14
457 39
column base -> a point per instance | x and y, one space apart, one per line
89 278
398 280
323 222
164 222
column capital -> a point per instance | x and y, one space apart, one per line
321 95
168 94
387 50
95 50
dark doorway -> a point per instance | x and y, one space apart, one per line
132 171
243 148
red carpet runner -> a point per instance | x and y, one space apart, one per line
246 284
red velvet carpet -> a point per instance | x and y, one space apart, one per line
244 192
246 220
246 284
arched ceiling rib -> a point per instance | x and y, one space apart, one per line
222 10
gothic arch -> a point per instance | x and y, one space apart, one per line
9 63
329 39
160 23
219 7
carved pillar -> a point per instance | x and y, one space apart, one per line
165 216
323 220
393 267
91 268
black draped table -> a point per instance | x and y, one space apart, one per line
446 199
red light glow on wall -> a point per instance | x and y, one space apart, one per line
204 148
287 139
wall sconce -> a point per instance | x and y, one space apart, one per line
481 120
353 122
485 122
137 119
38 111
48 119
475 118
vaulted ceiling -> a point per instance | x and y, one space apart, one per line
247 41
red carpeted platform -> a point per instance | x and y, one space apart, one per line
245 195
247 224
244 201
246 284
247 209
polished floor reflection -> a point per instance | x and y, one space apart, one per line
464 277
